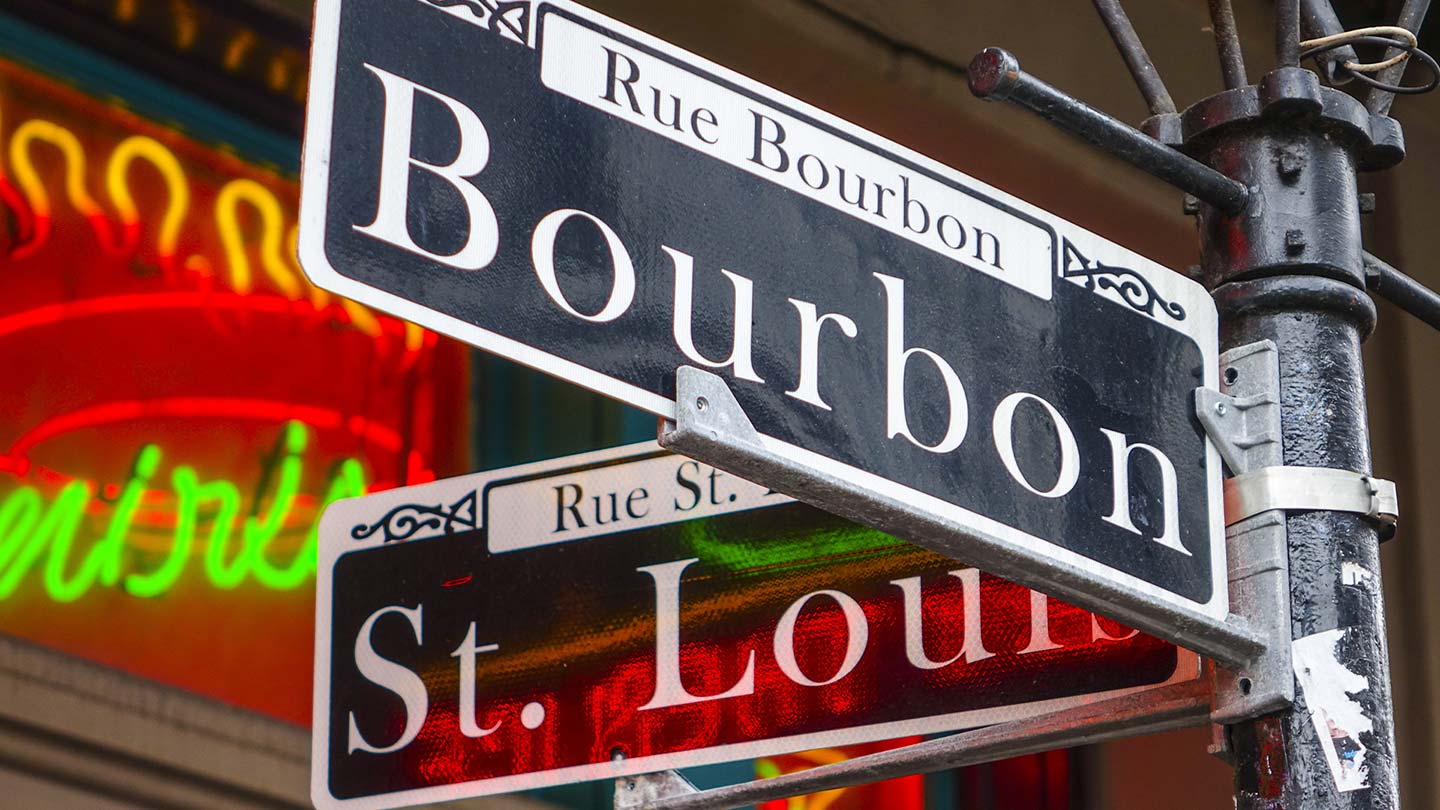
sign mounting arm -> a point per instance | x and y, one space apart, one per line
710 426
1165 709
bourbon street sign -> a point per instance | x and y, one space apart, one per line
552 186
628 611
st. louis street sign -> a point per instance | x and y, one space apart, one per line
629 610
552 186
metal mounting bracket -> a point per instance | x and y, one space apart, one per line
1148 711
1299 488
711 426
633 792
1243 420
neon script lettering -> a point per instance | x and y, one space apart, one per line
40 537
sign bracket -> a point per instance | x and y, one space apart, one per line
710 426
1299 488
1243 420
643 790
1149 711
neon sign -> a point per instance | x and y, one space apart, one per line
33 209
270 60
180 402
29 525
32 529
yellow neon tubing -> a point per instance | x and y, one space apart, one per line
272 221
139 147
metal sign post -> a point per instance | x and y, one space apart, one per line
1272 167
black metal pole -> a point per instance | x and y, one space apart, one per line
1227 43
1281 761
1290 269
1402 291
1287 33
1412 15
1132 50
1281 252
1318 19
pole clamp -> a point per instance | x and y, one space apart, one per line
1243 421
1310 488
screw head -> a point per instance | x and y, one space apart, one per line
1220 408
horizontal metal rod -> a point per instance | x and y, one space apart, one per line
1402 290
1227 42
1412 16
1163 709
1132 50
995 75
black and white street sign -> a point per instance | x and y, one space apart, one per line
521 628
557 188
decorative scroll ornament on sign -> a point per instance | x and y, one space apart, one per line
404 522
1134 290
508 18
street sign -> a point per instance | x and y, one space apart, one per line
629 610
555 187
